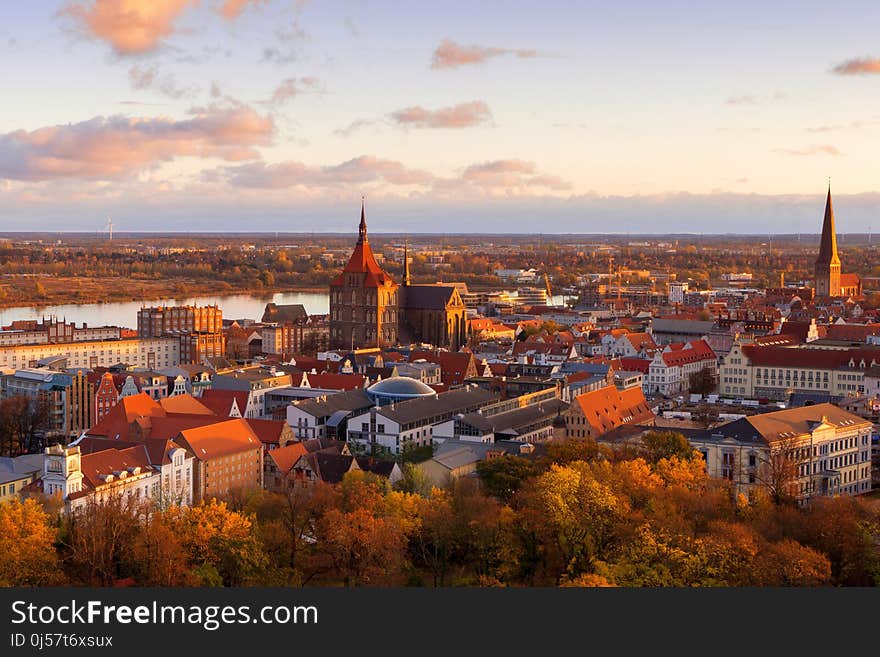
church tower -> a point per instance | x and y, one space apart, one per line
828 263
363 300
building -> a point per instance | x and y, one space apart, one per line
256 380
229 458
830 282
81 403
533 423
776 371
44 331
199 329
327 416
44 386
137 352
17 472
799 452
595 413
677 290
369 309
395 427
671 368
287 330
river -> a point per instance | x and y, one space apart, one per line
235 306
124 313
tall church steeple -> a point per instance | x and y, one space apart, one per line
362 229
827 266
406 276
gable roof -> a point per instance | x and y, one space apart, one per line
220 401
219 439
111 461
286 457
293 312
431 297
184 404
607 408
268 431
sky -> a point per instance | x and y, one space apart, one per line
550 117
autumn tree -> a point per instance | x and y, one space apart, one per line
27 545
502 476
666 444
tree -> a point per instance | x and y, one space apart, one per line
569 450
220 543
27 543
414 480
666 444
502 477
701 382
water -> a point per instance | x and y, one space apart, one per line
236 306
124 313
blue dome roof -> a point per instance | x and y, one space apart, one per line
400 387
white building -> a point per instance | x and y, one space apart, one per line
677 290
670 371
138 352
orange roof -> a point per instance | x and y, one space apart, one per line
608 408
110 461
286 457
641 340
268 431
220 439
680 355
220 401
185 404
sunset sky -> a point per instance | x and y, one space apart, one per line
550 117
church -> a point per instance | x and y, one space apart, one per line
829 281
369 309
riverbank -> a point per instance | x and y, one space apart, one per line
46 291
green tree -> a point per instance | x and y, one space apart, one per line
666 444
502 476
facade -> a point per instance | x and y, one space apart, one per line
776 371
802 452
327 416
369 309
671 368
137 352
33 332
199 329
106 396
595 413
81 403
394 427
49 386
257 381
17 472
229 457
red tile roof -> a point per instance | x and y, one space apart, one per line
185 404
286 457
268 431
340 382
684 353
608 408
219 439
220 401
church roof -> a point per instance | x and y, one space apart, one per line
363 261
430 297
828 244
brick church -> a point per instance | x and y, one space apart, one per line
369 309
830 282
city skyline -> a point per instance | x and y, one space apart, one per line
277 116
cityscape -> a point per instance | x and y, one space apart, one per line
237 350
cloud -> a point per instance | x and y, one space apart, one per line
142 78
231 9
464 115
858 66
511 174
450 54
111 147
756 100
353 127
359 170
134 27
824 149
288 39
292 87
741 100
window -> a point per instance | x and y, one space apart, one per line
753 460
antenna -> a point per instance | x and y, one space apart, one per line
110 228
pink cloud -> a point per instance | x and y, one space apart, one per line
450 54
292 87
464 115
233 8
116 146
858 66
824 149
359 170
133 27
511 174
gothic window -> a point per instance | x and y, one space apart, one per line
353 297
